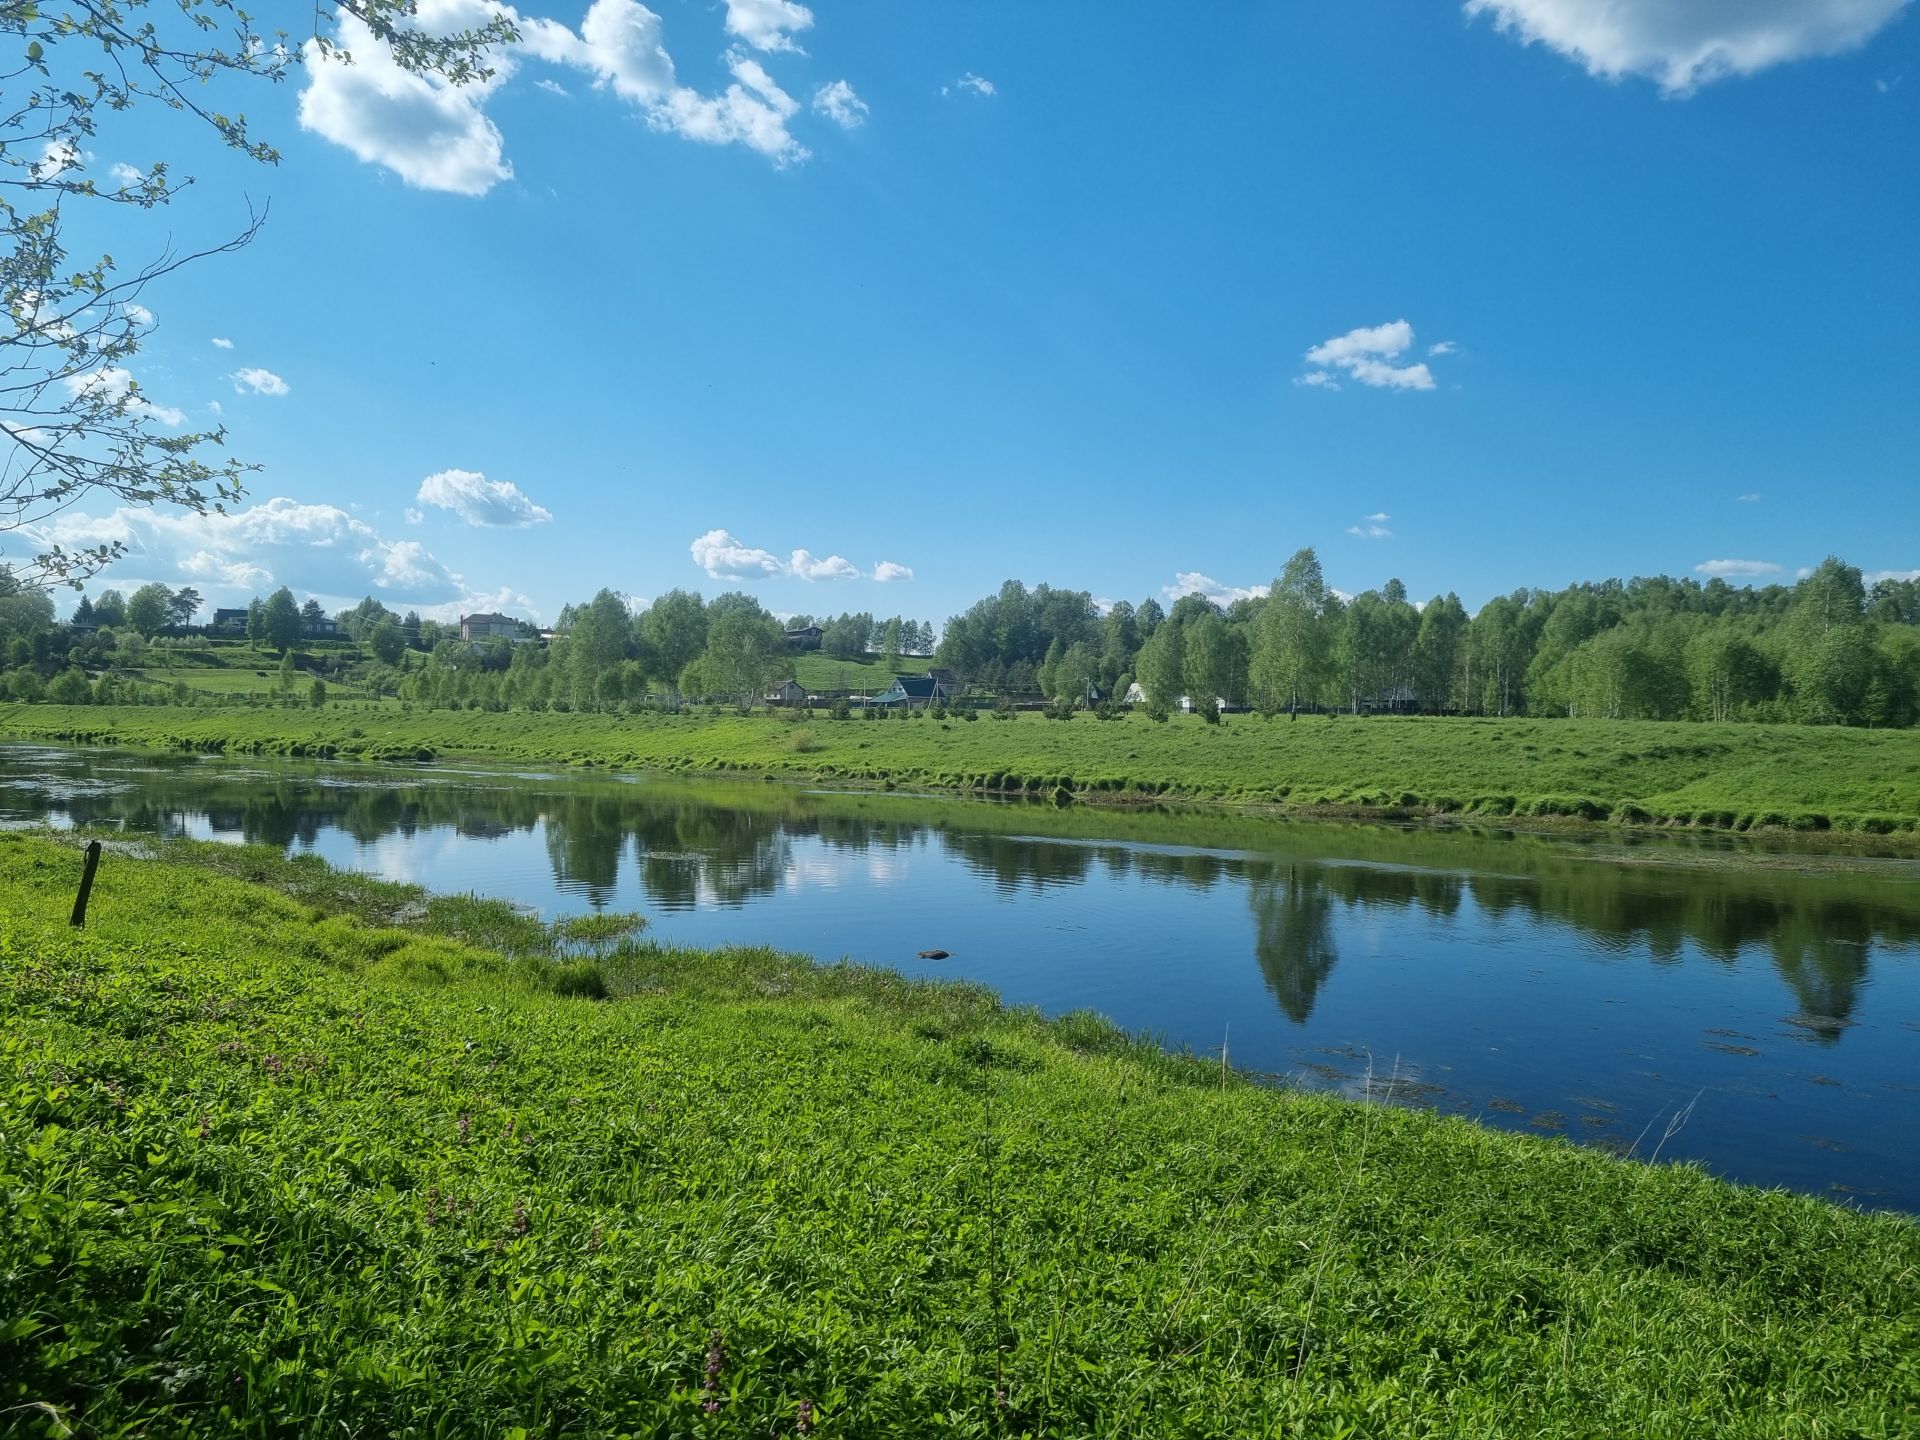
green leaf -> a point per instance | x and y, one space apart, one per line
34 52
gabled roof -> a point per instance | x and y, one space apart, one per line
915 687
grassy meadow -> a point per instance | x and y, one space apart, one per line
1734 777
293 1152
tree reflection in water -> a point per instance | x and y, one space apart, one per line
724 844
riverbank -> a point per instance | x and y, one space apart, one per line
1781 778
292 1148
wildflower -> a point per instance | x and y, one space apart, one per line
507 1134
519 1217
716 1362
206 1126
803 1418
464 1125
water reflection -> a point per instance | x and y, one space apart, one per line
695 847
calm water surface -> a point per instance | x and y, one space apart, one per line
1590 987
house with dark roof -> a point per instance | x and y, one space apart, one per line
913 692
807 637
229 621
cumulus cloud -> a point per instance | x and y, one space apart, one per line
833 567
222 343
768 24
1441 347
56 158
495 504
1876 576
724 557
116 386
126 174
138 314
972 84
433 135
440 137
1370 529
1683 44
1368 355
314 549
1192 582
1737 569
839 104
253 379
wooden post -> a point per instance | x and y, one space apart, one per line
86 883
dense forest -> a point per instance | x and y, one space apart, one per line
1829 649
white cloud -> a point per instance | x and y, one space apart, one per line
126 174
1441 347
978 84
1319 379
1367 355
552 87
1752 497
1682 44
1876 576
314 549
504 601
1192 582
839 104
1803 572
116 386
1369 531
215 407
439 137
221 342
138 314
253 379
414 515
1737 569
433 135
725 558
1379 517
480 501
768 24
56 158
833 567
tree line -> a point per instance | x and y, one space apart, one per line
1829 649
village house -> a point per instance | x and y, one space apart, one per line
912 692
489 625
791 694
807 637
228 621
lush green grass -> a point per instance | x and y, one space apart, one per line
817 672
286 1152
1721 776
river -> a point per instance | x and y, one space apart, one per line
1711 998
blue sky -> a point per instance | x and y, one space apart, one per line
1005 289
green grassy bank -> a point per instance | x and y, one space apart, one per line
290 1152
1734 777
